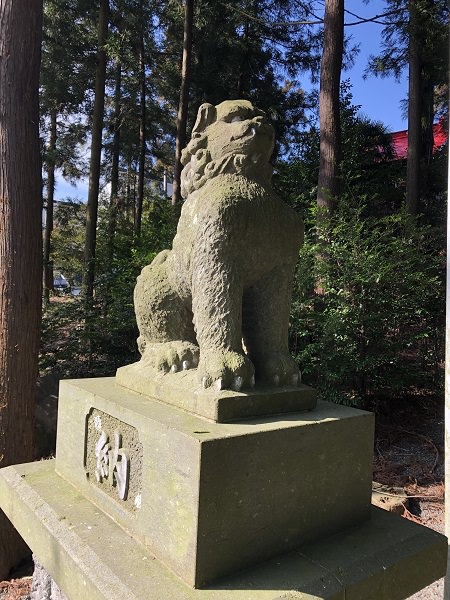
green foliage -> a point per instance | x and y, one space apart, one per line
68 239
75 346
61 339
252 58
432 15
368 311
116 279
65 83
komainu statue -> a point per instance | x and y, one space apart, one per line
219 300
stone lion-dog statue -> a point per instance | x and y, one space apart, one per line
219 300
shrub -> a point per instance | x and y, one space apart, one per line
368 312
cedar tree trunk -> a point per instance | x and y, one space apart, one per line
330 125
184 98
142 143
413 166
96 150
20 243
114 197
50 166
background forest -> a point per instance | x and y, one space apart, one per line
121 81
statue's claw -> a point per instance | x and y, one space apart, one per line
278 369
171 357
219 384
225 370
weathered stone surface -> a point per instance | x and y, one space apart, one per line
43 586
90 556
184 391
214 498
229 274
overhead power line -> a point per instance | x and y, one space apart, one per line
317 21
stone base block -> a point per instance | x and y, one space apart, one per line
209 499
43 586
90 556
184 391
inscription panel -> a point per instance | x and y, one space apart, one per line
113 458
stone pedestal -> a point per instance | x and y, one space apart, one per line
183 391
147 501
209 499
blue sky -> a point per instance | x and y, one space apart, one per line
379 98
64 190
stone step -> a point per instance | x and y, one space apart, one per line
90 556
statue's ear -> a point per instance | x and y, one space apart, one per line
206 115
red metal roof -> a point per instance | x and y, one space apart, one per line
400 140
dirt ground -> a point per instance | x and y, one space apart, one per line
409 454
408 459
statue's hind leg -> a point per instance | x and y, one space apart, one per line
167 339
265 327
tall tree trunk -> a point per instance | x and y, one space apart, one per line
184 98
330 124
114 197
244 66
50 166
142 141
427 120
414 113
96 149
20 243
129 202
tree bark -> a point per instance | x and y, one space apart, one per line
114 197
131 191
329 114
142 141
50 166
184 98
413 166
244 66
95 158
20 243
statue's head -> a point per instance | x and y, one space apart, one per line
232 137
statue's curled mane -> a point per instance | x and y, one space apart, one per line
198 164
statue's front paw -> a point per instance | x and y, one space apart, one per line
226 370
171 356
279 368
